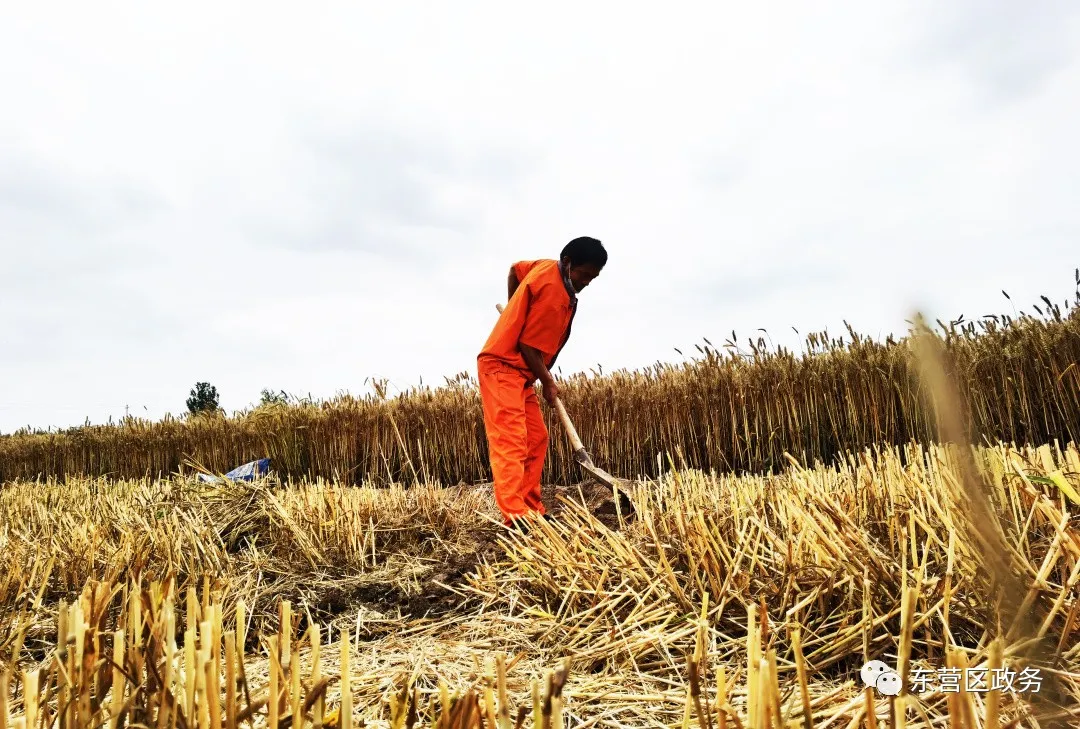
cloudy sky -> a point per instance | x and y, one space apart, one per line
302 199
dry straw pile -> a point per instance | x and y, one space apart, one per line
727 602
729 409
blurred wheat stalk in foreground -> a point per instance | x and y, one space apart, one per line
118 663
137 674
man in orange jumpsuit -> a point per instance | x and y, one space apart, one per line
523 346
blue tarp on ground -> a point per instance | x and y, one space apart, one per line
247 472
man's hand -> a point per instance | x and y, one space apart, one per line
551 391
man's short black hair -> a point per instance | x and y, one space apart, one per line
585 250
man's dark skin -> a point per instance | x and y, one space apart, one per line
580 277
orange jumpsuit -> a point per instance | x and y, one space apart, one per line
539 315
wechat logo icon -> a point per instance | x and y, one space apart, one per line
878 675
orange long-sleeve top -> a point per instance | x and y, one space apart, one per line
539 315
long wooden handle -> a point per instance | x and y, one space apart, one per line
571 431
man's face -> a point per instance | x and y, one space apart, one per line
581 275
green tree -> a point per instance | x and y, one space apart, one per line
204 398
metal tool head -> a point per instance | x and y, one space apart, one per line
602 476
620 494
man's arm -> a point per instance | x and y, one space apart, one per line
511 284
535 360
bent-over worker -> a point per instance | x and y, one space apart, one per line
531 331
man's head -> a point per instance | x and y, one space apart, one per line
583 258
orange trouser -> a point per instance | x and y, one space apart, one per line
517 439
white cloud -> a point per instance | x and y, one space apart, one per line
301 200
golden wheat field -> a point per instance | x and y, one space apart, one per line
738 406
700 598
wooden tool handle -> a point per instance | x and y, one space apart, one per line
571 431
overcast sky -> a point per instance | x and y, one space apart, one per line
300 200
